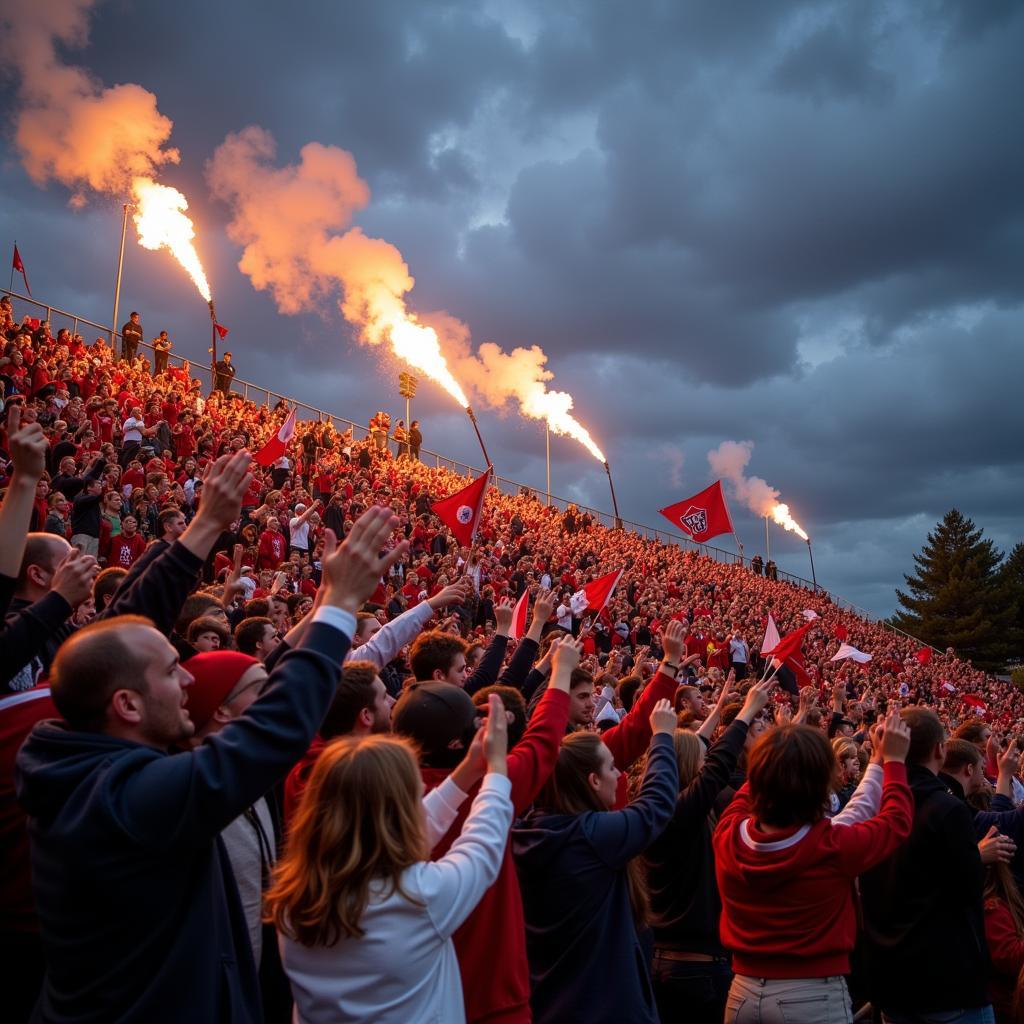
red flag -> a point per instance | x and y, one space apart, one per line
220 329
277 445
461 511
924 655
974 701
703 516
790 644
600 590
19 266
519 616
841 633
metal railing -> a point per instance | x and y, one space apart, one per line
261 395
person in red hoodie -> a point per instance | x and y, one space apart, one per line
786 874
272 545
491 942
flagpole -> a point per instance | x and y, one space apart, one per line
767 542
117 283
213 348
10 287
615 504
483 447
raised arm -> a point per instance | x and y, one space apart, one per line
188 798
490 665
28 447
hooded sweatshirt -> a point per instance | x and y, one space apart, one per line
787 897
138 906
586 960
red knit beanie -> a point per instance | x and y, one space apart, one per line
216 674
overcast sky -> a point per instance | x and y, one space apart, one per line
800 225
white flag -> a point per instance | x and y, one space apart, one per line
848 651
771 636
810 614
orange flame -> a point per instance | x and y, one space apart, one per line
419 347
780 513
162 224
554 407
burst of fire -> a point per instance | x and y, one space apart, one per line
161 222
554 407
780 513
419 347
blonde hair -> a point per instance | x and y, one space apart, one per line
360 821
689 755
843 746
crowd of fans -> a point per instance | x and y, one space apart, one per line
268 745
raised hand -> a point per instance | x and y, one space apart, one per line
543 605
232 586
756 700
73 577
1009 761
27 445
663 718
783 713
896 739
224 485
353 570
672 639
565 656
456 593
496 736
503 616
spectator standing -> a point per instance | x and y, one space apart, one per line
224 374
162 344
131 338
923 905
415 439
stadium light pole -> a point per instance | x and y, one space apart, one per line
767 542
814 579
117 283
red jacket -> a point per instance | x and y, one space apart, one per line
788 897
1006 949
272 550
491 942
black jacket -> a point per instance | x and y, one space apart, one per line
140 914
680 864
924 926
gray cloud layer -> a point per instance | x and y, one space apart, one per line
804 226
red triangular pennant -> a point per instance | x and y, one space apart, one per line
461 511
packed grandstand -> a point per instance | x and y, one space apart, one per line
132 460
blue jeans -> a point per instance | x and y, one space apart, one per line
691 990
976 1015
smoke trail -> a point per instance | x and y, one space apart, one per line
67 126
294 226
729 460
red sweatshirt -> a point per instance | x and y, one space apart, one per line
632 736
491 942
271 550
1006 949
788 897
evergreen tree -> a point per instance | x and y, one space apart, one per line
1013 579
958 597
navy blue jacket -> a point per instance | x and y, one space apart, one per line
586 960
140 915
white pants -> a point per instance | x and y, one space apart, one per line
788 1001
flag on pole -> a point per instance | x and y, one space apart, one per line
18 265
278 444
771 636
703 516
972 700
841 633
789 645
924 655
848 651
460 512
599 591
519 616
793 675
948 687
221 330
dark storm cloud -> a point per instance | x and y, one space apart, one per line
801 226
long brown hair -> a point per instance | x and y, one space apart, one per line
360 821
568 791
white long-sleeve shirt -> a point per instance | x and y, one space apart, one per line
385 644
404 968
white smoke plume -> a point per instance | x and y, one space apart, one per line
294 226
67 126
728 461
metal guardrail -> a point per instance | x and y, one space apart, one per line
256 393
